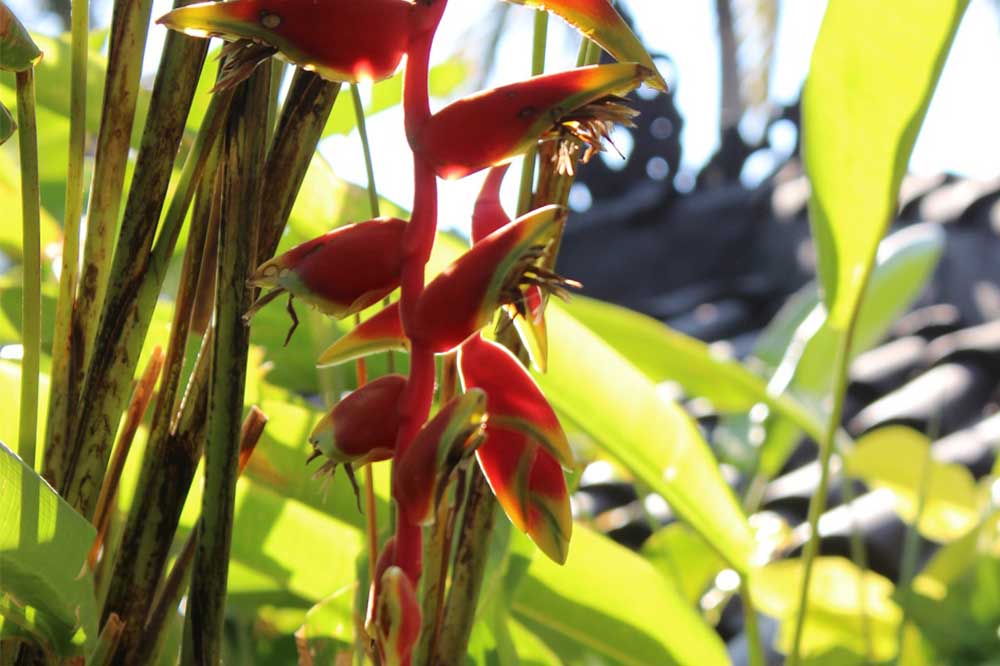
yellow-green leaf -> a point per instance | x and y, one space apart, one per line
873 70
620 409
893 458
834 622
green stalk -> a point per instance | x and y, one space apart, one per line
31 304
537 67
818 503
243 150
300 127
359 114
167 468
61 397
125 323
755 647
467 573
81 466
129 26
911 547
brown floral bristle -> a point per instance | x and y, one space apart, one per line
240 59
589 127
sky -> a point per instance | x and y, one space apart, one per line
960 134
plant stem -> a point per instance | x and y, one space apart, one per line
31 304
243 150
537 67
61 395
137 274
751 627
818 503
359 115
467 574
129 26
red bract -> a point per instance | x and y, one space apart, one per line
598 20
493 126
426 466
463 298
341 272
524 446
362 427
382 332
396 620
346 40
488 215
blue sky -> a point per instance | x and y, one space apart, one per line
960 134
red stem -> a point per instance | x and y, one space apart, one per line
417 244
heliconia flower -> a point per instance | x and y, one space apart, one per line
425 468
524 446
362 427
488 216
600 22
576 107
464 297
333 39
341 272
396 620
380 333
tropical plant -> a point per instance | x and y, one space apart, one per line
196 533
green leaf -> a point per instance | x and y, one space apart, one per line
7 124
952 560
683 558
834 619
17 50
873 70
620 409
664 354
47 592
329 626
607 605
797 345
951 505
444 79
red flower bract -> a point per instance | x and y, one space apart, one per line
341 272
362 427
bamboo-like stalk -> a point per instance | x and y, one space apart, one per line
537 67
124 327
168 468
467 575
300 127
61 395
31 304
243 150
129 26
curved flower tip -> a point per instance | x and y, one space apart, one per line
488 215
18 51
444 442
530 486
341 272
361 428
463 298
396 620
491 127
382 332
514 400
333 39
599 21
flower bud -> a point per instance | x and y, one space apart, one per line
493 126
362 427
396 621
425 468
333 39
341 272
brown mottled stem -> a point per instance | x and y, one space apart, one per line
468 570
243 150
